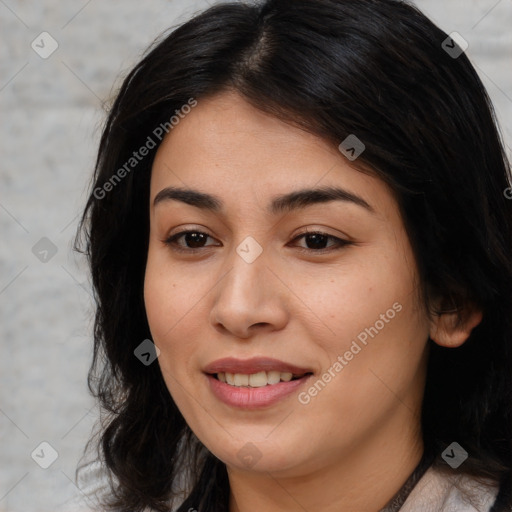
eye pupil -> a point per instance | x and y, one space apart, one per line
319 241
194 239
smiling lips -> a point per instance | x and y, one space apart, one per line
254 383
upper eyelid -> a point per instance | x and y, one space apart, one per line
305 232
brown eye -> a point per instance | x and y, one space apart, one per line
193 240
316 241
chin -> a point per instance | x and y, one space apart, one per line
263 456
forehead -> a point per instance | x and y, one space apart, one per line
227 147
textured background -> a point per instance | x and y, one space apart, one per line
51 114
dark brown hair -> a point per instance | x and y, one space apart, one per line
375 68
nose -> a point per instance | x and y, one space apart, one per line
249 299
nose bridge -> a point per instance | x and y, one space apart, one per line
245 281
249 293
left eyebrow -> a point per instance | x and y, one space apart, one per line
298 199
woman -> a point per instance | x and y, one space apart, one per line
299 239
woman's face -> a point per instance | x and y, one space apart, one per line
338 309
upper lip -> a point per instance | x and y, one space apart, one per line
253 365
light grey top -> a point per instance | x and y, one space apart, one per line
436 491
440 491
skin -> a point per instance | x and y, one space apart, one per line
362 430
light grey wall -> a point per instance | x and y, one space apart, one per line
51 113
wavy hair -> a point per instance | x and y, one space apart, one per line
375 68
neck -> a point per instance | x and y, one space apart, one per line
362 478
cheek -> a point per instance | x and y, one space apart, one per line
376 294
374 362
166 307
176 302
375 326
168 302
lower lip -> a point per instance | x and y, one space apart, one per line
254 398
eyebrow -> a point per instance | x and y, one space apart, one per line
280 204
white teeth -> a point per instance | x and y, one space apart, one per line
286 376
241 379
258 380
273 377
254 380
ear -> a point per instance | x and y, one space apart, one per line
452 328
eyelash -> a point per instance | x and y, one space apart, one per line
171 242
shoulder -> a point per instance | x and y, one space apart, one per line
441 491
